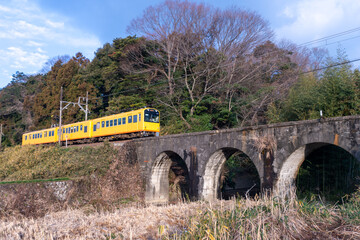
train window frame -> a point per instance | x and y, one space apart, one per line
119 121
94 128
111 123
139 117
115 122
107 123
81 127
85 129
124 120
45 134
135 119
25 137
103 124
129 119
77 128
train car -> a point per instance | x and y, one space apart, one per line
138 123
40 137
76 131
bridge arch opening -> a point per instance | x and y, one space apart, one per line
169 180
229 173
320 169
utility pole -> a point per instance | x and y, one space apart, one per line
60 130
86 110
1 134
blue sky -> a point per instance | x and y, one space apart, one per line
33 31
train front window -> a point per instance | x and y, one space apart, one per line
151 115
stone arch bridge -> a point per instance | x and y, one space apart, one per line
276 150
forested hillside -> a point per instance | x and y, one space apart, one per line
203 68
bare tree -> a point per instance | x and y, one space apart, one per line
206 46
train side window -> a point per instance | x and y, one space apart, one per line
115 122
80 127
139 117
119 121
102 124
30 137
111 123
52 133
85 129
45 134
129 119
68 130
94 129
123 120
98 125
135 118
25 137
107 123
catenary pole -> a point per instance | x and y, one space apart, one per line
87 108
60 130
1 134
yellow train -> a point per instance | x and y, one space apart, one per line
138 123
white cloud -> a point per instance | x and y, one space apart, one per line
19 58
34 44
312 19
30 36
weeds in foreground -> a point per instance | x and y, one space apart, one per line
273 218
267 217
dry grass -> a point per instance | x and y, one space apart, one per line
127 223
265 218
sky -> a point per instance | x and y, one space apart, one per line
34 31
